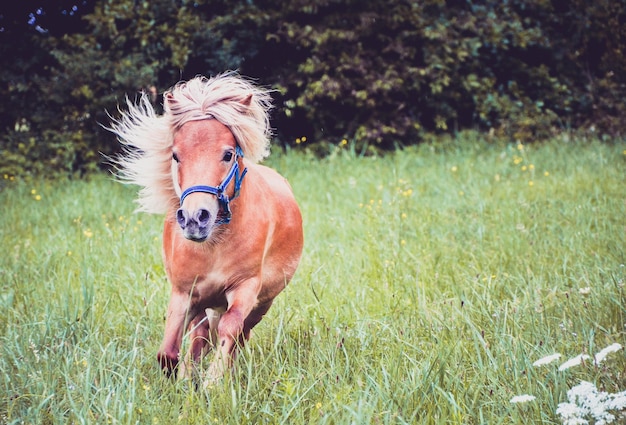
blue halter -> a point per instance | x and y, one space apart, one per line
218 191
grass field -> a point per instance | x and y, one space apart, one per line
431 281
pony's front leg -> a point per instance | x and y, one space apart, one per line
231 329
178 315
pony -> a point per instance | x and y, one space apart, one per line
232 234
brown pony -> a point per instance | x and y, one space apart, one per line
232 237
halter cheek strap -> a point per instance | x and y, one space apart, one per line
218 191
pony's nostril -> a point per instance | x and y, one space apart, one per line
203 217
182 218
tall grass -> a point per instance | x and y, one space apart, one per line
431 280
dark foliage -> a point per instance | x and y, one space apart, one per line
380 73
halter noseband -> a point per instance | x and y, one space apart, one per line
218 191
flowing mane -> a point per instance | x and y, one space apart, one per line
147 138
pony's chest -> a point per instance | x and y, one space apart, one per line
205 277
208 287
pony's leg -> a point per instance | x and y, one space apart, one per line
198 337
177 318
251 321
231 329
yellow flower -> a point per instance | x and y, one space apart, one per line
88 233
69 253
531 183
33 191
523 168
403 215
37 197
402 242
318 405
303 139
344 142
298 141
546 174
520 147
531 167
453 169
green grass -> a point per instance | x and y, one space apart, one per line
431 280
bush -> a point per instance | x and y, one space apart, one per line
394 70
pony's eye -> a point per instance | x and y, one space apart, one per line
227 156
175 157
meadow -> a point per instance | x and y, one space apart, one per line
432 279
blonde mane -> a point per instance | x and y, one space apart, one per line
147 137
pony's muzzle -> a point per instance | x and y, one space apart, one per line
195 226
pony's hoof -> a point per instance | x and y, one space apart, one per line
211 382
168 363
213 376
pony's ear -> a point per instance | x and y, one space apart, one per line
247 100
168 97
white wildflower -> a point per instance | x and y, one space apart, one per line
547 359
571 414
618 402
599 358
574 361
585 290
523 398
586 402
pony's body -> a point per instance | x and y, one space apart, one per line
224 277
238 273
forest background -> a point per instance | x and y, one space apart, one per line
377 74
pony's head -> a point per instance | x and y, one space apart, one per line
208 125
205 168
